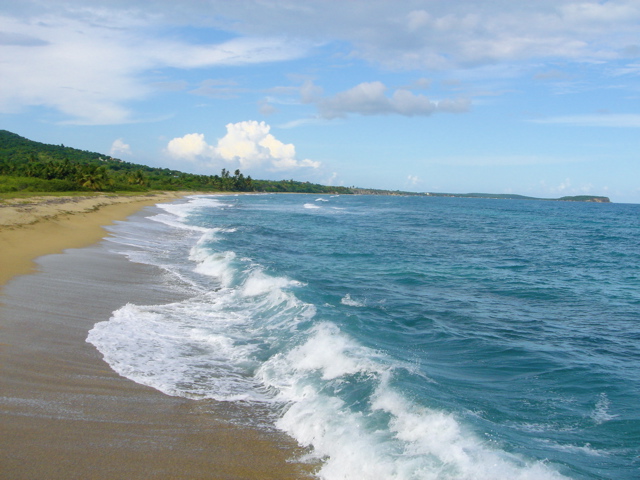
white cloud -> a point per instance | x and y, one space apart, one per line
332 180
118 147
420 84
81 73
91 61
413 180
417 19
215 88
371 99
427 34
566 187
240 51
309 92
629 120
594 13
189 147
265 108
247 144
303 122
89 64
498 160
552 75
629 69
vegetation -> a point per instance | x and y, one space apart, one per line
586 198
28 166
292 186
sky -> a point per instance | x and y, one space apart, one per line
538 98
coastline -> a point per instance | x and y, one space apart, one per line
65 413
36 226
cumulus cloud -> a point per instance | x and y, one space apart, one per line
247 144
370 98
118 147
189 147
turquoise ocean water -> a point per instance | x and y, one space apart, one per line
400 337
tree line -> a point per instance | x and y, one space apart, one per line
54 175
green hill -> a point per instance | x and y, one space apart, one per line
31 166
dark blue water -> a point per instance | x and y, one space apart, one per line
402 337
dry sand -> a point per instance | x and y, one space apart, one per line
63 412
36 226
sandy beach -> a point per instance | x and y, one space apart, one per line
63 412
40 225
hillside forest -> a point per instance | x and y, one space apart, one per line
28 166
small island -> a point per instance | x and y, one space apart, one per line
586 198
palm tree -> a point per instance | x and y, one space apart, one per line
136 178
94 178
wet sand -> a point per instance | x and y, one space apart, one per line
65 414
36 226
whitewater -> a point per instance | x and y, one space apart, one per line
399 337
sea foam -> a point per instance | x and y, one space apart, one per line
385 436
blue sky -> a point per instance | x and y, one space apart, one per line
537 98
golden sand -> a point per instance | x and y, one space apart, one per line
36 226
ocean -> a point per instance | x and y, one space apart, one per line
399 337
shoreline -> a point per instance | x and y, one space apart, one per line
36 226
65 413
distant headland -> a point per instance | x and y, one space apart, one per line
498 196
27 166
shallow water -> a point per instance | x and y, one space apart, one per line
401 337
